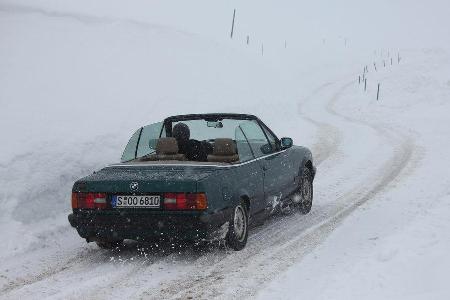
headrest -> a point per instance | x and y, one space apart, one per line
224 147
167 145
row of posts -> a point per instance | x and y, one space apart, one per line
363 78
366 68
262 45
248 37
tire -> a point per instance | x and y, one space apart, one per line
109 244
304 194
237 234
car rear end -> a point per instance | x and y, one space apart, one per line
146 204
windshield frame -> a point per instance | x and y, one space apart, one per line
166 127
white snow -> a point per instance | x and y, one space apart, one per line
394 246
77 77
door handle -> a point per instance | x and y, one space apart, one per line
265 168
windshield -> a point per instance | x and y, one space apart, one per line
224 140
203 130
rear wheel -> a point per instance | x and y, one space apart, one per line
109 244
238 229
304 194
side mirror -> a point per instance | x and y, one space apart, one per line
286 142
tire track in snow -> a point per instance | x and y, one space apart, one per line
331 139
327 145
51 271
267 256
268 236
271 248
85 260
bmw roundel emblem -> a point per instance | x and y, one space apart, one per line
134 186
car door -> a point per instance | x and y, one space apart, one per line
250 176
279 165
269 160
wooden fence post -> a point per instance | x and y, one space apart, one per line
378 92
232 24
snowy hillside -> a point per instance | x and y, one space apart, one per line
77 78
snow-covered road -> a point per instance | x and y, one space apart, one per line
394 246
346 180
379 223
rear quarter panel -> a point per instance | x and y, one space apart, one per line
227 186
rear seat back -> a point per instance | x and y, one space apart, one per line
224 150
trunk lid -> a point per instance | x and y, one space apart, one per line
149 179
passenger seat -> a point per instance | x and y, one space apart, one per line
224 150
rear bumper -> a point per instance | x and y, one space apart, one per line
109 225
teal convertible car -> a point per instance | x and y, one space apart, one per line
200 178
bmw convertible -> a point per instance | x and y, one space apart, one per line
200 178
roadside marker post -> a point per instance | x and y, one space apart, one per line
232 24
378 92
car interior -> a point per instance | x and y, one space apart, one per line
200 139
219 150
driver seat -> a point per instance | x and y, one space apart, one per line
224 150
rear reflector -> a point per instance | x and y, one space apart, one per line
89 200
185 201
74 200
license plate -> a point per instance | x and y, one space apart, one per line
136 201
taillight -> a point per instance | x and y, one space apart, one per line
89 200
185 201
